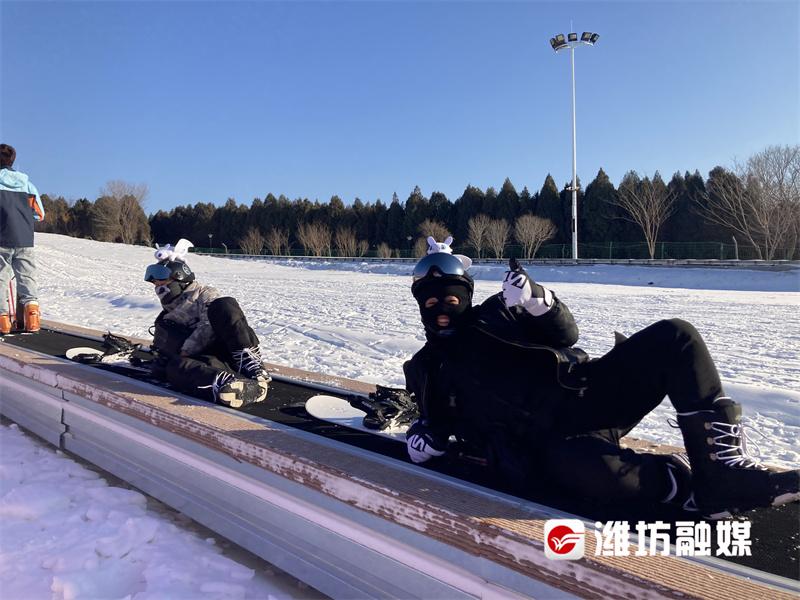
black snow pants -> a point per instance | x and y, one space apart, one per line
194 375
666 358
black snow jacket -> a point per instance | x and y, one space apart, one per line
498 382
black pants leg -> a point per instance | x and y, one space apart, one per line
194 375
230 325
594 466
666 358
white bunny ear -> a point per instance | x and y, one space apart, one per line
431 242
465 260
448 240
182 248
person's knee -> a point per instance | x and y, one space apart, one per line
677 331
224 309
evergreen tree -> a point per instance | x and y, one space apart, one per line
489 205
549 207
508 202
417 209
380 223
526 202
465 208
596 219
395 233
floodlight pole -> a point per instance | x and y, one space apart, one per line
574 164
559 43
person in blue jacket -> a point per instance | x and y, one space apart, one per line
20 206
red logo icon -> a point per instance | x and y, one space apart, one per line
564 539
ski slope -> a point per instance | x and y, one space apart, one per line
69 534
359 320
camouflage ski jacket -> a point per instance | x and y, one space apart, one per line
189 311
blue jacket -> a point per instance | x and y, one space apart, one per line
20 206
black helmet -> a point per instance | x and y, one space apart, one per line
441 268
175 270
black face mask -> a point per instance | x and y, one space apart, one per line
168 293
457 313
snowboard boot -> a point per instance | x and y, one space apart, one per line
725 478
236 392
681 494
5 324
250 364
31 318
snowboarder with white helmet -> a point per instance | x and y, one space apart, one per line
504 376
202 341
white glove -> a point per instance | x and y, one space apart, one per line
520 290
422 443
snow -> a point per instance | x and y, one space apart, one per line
69 534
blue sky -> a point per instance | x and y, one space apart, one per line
209 100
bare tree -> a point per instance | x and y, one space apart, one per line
648 203
105 220
363 247
476 236
131 199
384 251
532 231
432 228
759 200
346 241
252 242
315 238
277 241
497 236
118 189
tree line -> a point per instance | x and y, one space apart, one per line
756 202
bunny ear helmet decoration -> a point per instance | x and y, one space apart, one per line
176 252
434 247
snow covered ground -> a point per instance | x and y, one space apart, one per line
355 320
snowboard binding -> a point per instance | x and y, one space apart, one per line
386 408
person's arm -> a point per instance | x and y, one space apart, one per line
35 202
427 437
541 316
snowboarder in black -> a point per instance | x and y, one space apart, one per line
504 376
203 344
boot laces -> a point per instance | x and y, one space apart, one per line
222 379
248 359
736 454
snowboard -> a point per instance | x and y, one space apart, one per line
340 412
93 356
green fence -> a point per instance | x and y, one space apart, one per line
608 250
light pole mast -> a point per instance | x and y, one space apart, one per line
559 43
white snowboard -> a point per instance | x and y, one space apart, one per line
73 352
339 412
118 360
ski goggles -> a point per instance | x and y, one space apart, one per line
439 264
157 272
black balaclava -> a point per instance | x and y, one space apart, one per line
167 293
440 289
